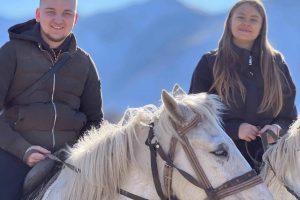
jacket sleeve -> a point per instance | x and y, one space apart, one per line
10 140
91 99
231 127
288 113
202 78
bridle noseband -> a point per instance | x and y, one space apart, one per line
233 186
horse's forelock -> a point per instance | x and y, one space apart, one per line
140 114
205 104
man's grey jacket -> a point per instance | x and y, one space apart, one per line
61 109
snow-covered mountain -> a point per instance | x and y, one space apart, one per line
145 48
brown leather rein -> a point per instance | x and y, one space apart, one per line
233 186
265 145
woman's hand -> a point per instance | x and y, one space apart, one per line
274 128
248 132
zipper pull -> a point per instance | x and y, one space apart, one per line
250 60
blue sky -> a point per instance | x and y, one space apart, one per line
25 8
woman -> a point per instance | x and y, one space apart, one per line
250 77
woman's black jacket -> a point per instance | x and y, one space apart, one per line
246 111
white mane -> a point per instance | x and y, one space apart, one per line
103 156
283 159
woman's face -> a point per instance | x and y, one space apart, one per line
246 23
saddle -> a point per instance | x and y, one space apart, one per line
38 177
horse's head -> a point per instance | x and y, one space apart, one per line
195 118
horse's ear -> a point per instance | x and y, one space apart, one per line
172 107
178 91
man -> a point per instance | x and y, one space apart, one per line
58 111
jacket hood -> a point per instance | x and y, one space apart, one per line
29 31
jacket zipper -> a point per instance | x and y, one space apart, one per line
55 112
52 97
250 64
250 60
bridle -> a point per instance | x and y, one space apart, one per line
233 186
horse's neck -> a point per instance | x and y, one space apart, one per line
292 175
138 182
283 159
292 179
276 187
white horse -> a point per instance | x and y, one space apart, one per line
281 170
116 157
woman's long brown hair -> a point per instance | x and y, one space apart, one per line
226 79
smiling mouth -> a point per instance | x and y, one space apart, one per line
244 30
57 27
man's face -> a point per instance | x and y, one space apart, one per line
57 19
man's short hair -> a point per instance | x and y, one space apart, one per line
42 0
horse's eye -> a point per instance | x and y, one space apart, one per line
221 151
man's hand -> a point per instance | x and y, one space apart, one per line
34 154
248 132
